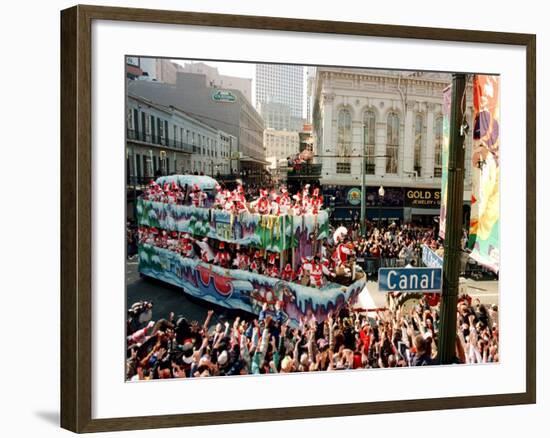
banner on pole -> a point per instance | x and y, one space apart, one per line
484 239
444 158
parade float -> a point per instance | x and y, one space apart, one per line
186 229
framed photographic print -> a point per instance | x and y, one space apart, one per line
317 218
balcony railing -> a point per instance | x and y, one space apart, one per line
158 140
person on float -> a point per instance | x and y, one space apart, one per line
239 201
274 204
304 272
297 207
306 200
207 255
222 257
316 275
288 273
186 246
272 258
219 199
172 242
273 271
285 203
316 201
254 267
262 204
198 197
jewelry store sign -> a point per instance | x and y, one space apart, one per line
422 198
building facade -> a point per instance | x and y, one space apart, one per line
281 144
392 123
165 140
215 79
283 84
225 110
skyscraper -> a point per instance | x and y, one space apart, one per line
282 84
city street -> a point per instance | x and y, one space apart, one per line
168 299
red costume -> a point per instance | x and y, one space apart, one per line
288 273
262 203
316 276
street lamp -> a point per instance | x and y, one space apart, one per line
381 193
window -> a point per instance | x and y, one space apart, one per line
392 143
438 151
418 139
343 168
369 129
343 145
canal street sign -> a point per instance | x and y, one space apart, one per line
223 96
425 280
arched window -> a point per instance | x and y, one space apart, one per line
438 151
369 127
343 164
418 140
392 143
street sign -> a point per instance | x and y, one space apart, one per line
223 96
425 280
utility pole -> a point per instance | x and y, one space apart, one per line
453 227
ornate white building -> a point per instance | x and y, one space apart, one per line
394 118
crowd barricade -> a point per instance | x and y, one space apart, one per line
371 264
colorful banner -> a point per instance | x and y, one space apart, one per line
446 129
484 238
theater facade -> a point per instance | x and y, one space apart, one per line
385 127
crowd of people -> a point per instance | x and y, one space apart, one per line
352 339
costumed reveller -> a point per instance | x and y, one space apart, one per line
222 257
306 200
284 201
340 257
219 200
254 267
275 208
297 207
288 273
262 204
197 196
273 271
207 255
238 200
316 201
272 258
186 246
316 276
304 272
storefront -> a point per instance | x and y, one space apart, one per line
399 204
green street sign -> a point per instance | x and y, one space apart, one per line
223 96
